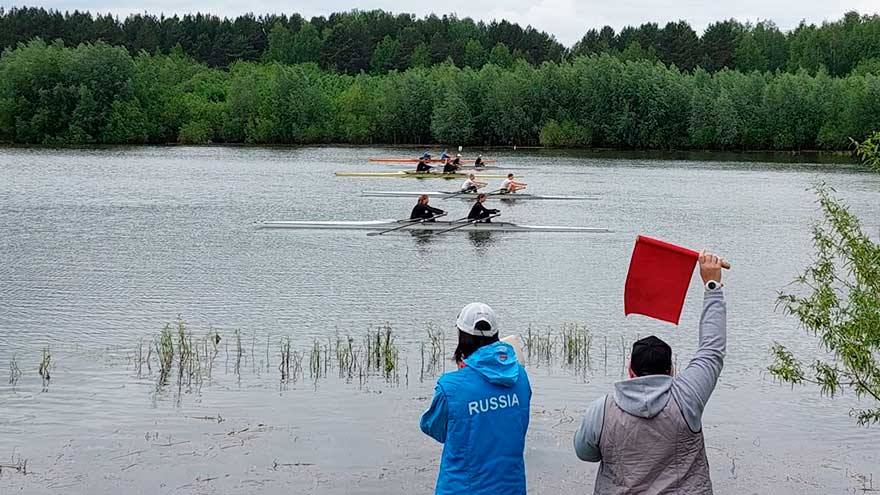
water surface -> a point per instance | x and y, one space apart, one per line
100 248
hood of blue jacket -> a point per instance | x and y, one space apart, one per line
496 363
644 396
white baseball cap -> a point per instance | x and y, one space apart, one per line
474 313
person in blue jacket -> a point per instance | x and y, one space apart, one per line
480 413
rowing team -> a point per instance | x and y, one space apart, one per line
508 185
450 165
478 213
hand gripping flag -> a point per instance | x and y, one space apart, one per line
658 279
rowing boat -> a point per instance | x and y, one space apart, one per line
426 226
417 175
461 167
457 194
416 160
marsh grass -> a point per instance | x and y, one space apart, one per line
383 355
187 359
576 345
540 346
432 353
45 365
14 371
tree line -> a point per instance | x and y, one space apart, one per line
349 42
97 93
378 42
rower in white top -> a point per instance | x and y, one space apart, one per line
509 185
471 184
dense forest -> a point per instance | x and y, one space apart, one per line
97 93
377 42
373 77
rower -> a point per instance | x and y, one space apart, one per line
425 156
423 167
471 184
450 167
509 186
457 161
423 211
478 163
444 155
480 212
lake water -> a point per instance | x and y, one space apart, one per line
101 248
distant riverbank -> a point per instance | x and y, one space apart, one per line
100 94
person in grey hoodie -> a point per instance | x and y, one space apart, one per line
648 435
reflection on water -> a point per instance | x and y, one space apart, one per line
481 240
101 247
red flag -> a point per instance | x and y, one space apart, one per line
658 279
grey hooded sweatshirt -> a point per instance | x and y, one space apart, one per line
647 443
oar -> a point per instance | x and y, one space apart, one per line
473 220
459 193
409 222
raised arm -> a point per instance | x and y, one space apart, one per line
693 386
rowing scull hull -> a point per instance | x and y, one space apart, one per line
414 175
376 225
471 196
416 160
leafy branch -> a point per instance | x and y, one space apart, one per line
841 308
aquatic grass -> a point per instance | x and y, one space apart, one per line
540 347
576 345
353 358
165 354
45 364
239 352
14 371
139 358
432 352
383 354
319 359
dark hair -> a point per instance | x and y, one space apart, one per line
509 175
651 356
468 344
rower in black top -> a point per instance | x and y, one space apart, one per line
457 161
480 212
450 167
423 167
478 163
423 211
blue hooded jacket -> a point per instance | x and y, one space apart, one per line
481 414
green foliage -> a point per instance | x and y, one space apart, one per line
568 134
350 42
500 55
474 54
840 306
869 151
451 121
385 56
420 56
195 132
53 94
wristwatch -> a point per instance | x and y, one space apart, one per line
712 285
